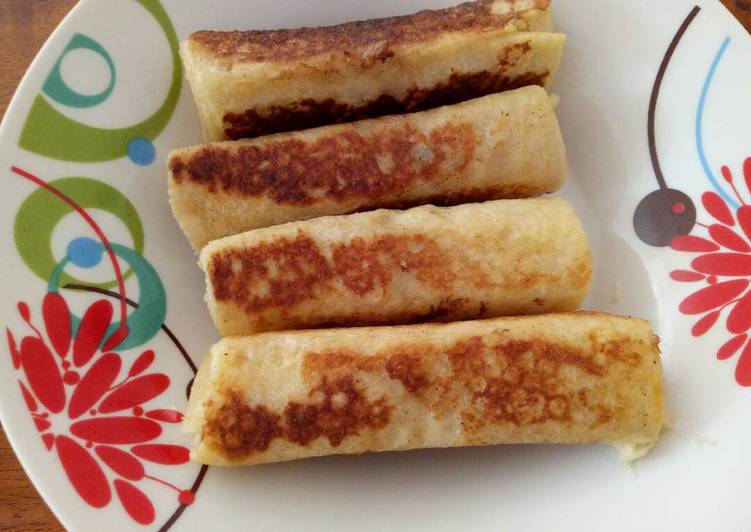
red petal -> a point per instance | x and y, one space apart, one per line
23 310
42 424
717 208
747 172
14 355
48 440
730 264
728 238
165 415
94 384
693 243
42 373
31 403
162 453
739 320
57 322
135 392
117 338
704 324
744 219
142 363
121 462
712 296
730 347
686 276
83 472
726 175
743 369
91 331
117 430
135 502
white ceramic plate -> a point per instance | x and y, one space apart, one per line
657 135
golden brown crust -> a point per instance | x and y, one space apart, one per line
384 33
387 267
365 265
308 113
278 274
335 409
248 84
300 270
240 429
495 380
505 145
512 381
337 167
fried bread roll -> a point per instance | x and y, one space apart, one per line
553 378
252 83
502 257
505 145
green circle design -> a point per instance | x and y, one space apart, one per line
42 211
50 133
56 88
145 321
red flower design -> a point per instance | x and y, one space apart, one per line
724 267
90 419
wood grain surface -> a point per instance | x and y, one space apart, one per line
24 26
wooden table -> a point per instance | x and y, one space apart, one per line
24 26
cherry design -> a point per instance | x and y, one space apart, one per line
663 215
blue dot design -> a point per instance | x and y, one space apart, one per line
85 252
141 151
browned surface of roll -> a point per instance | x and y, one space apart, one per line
554 378
504 145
